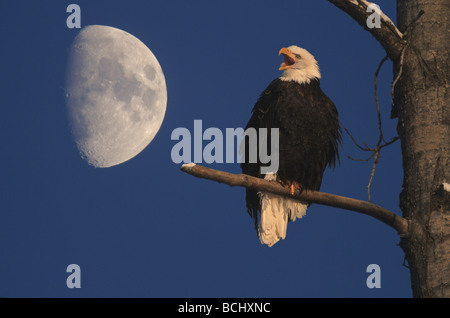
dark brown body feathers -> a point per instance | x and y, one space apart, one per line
309 134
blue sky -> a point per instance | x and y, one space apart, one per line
144 228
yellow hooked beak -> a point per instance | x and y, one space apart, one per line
289 59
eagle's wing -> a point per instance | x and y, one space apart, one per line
263 116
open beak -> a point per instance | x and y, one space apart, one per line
289 59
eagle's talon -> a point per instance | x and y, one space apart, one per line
291 185
292 189
294 185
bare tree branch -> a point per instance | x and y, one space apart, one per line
387 35
242 180
376 99
375 151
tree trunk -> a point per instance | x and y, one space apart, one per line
422 105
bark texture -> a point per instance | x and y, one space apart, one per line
423 109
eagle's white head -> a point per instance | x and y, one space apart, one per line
299 65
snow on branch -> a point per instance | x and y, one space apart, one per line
242 180
446 186
386 33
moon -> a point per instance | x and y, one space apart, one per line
116 95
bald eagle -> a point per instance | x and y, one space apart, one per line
309 136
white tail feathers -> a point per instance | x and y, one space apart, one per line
276 212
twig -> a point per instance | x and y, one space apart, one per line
398 75
375 155
351 137
376 98
375 151
398 223
355 159
413 23
374 164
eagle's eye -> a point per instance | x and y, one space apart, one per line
297 56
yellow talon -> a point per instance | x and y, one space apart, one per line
294 185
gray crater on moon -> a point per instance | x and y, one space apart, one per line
127 88
149 72
109 69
